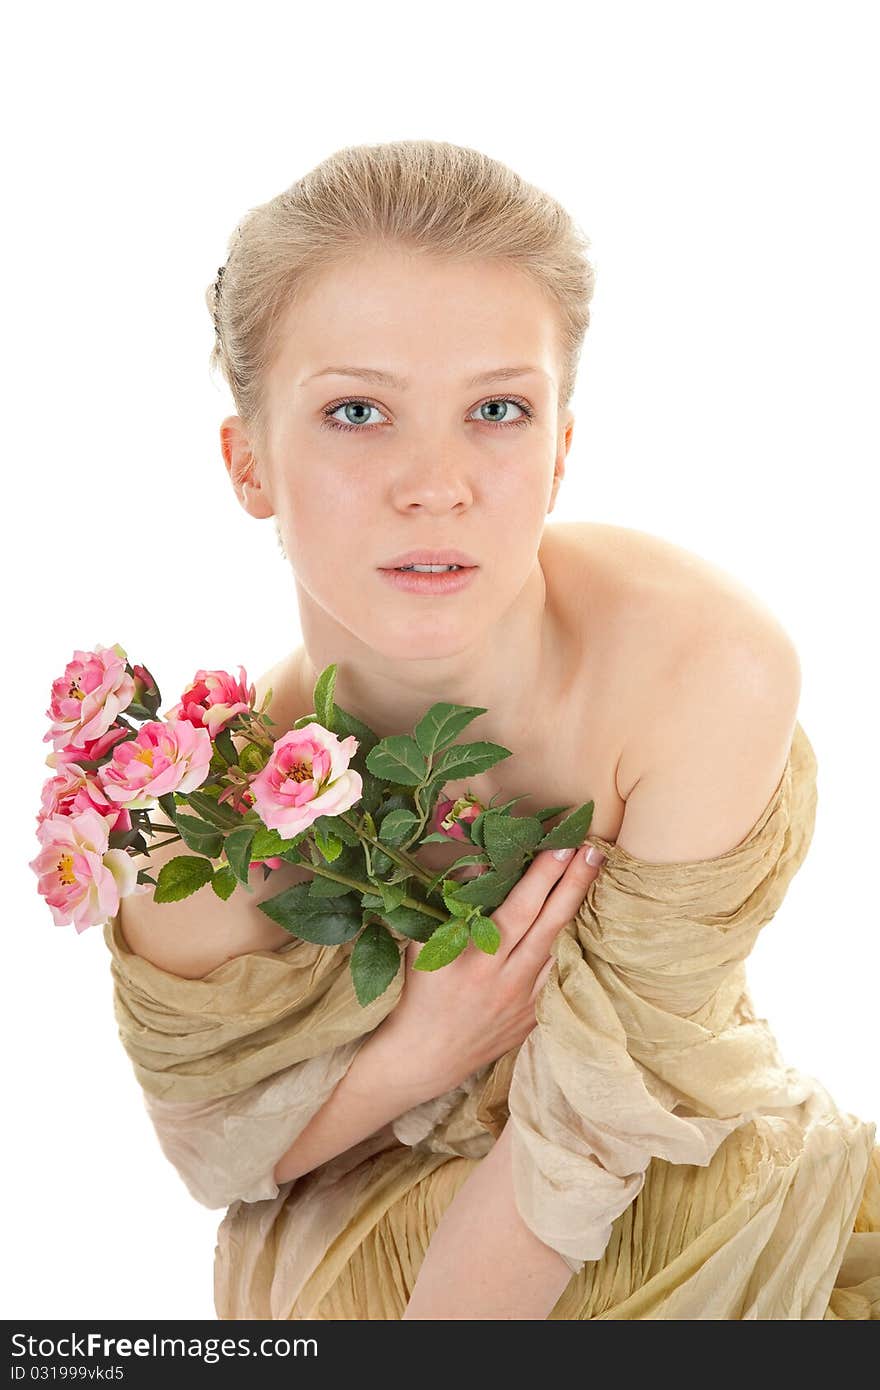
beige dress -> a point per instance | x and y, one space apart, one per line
660 1142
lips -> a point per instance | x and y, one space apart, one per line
431 557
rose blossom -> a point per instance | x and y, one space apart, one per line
213 699
80 878
450 817
92 751
164 757
85 701
74 790
307 776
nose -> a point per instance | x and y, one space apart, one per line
436 487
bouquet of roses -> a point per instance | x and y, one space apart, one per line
328 794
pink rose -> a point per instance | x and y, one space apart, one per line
307 776
74 790
85 701
164 757
80 878
213 699
450 817
92 751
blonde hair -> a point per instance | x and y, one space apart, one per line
424 195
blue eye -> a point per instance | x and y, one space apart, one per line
358 403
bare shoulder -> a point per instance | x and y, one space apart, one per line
641 577
194 936
671 614
720 683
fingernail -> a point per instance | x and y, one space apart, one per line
563 853
594 856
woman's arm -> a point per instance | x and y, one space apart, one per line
380 1085
483 1262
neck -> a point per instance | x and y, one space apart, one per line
499 670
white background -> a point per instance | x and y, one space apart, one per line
722 159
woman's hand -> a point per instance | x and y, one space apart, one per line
452 1021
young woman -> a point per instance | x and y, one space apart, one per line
400 331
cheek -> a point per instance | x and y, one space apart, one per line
324 533
318 502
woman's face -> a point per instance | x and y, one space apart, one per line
358 469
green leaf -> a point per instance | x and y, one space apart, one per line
198 835
325 924
134 710
323 697
570 832
441 724
253 759
372 789
181 876
142 875
415 925
374 962
411 923
548 812
489 889
223 742
393 894
485 934
398 826
381 862
447 942
221 816
223 882
509 839
398 759
238 851
295 845
329 846
267 843
321 887
169 806
475 828
347 723
337 827
468 759
454 905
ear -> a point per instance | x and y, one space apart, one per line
563 444
245 471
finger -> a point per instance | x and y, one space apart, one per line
560 906
543 976
526 898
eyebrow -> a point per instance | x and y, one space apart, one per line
389 379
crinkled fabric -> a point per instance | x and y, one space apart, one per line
661 1144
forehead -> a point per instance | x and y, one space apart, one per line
419 317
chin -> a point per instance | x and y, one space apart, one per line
421 640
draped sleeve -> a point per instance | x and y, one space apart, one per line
646 1042
646 1046
233 1066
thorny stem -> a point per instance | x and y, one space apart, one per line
396 855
